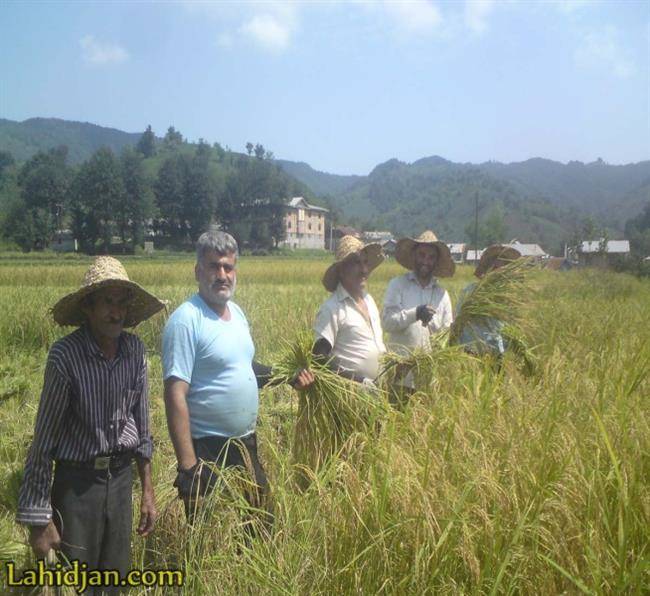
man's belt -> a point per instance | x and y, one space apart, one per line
115 461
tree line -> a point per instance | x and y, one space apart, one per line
165 189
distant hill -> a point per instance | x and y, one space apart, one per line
24 139
544 200
321 183
603 190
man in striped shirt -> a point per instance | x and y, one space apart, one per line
92 421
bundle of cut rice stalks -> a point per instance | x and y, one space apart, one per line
330 411
502 294
423 367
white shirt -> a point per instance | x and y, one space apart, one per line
403 295
356 345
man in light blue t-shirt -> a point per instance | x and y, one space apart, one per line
211 379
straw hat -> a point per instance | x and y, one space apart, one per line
349 246
106 272
494 253
405 253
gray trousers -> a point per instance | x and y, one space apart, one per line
92 510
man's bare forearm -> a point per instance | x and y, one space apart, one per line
178 423
144 471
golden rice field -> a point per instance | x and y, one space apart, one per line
487 484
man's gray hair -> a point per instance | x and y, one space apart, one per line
220 242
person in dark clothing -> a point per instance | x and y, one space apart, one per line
92 422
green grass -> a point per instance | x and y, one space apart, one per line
488 483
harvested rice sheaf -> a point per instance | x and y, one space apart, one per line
501 294
330 411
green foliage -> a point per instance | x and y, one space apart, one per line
137 204
35 206
637 230
24 139
98 202
147 143
173 139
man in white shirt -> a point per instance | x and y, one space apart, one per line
415 305
348 328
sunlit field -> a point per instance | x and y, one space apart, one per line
488 482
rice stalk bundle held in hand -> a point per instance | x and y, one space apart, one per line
330 411
422 365
501 295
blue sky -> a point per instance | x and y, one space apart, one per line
344 85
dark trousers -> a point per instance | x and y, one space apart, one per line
223 452
92 511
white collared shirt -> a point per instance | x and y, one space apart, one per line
356 345
403 295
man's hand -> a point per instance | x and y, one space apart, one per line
425 313
42 539
148 513
303 379
194 481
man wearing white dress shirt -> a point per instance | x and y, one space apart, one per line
348 328
416 305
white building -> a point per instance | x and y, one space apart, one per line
590 251
457 251
528 250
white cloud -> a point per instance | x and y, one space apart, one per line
601 50
268 32
477 13
97 52
414 16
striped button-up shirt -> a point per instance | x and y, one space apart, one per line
89 407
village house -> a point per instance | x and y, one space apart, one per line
337 233
472 257
304 225
376 236
601 253
533 251
457 250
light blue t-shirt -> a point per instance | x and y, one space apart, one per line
215 357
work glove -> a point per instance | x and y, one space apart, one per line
424 313
195 481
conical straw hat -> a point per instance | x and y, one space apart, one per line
106 272
348 246
405 253
494 253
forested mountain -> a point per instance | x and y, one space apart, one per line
610 192
24 139
321 183
541 200
536 200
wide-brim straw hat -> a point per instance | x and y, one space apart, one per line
405 253
349 246
494 253
107 272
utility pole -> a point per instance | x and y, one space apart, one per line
476 225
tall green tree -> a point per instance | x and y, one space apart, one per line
44 181
137 204
147 143
169 190
97 200
173 139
